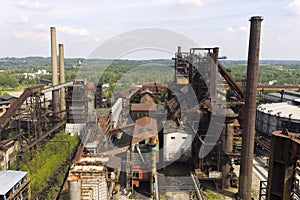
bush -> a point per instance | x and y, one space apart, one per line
47 159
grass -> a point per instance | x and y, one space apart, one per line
16 89
254 193
46 159
212 195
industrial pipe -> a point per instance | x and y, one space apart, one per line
156 187
245 179
153 168
140 153
198 192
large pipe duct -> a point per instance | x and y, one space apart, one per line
62 80
227 147
55 93
153 170
245 179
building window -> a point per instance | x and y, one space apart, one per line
184 138
136 174
172 138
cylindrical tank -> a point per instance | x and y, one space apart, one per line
74 187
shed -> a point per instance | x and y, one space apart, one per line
9 179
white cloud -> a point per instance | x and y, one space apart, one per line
23 20
230 30
190 2
34 5
41 27
278 37
20 20
294 7
243 28
234 30
73 31
31 36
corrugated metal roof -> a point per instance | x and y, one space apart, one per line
284 109
4 102
7 97
9 178
88 168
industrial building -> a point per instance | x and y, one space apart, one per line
278 128
161 129
177 142
277 116
14 185
92 177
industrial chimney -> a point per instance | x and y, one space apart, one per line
55 93
62 80
245 179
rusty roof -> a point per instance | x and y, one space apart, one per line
151 84
114 162
144 128
143 107
146 91
147 99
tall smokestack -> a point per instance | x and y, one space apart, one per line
245 179
213 73
55 93
62 80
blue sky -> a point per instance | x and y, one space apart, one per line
84 24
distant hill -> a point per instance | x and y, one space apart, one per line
34 62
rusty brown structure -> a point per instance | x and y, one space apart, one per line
196 72
104 119
33 121
245 179
228 177
284 169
